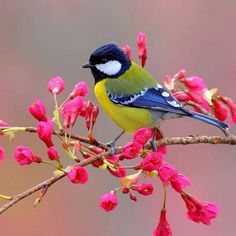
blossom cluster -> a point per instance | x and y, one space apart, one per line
56 131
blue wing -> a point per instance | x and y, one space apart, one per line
157 99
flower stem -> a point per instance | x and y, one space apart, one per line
5 197
164 197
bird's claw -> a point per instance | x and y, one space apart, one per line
111 144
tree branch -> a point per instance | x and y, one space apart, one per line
165 141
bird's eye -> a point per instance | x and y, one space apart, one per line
104 60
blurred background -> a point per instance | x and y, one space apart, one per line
41 39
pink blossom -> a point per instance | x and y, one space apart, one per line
200 100
179 181
92 117
80 89
232 108
56 85
131 150
220 110
25 156
165 172
3 123
152 161
142 135
144 188
119 171
169 83
162 150
142 49
38 111
78 175
108 202
71 110
163 228
195 84
181 96
53 153
44 130
199 211
180 75
2 153
127 50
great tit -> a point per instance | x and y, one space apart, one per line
131 96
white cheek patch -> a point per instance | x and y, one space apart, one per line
110 67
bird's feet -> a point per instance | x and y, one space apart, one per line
112 143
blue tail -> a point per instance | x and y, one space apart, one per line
209 120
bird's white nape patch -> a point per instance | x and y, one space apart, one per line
110 67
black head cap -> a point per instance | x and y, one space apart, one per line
108 61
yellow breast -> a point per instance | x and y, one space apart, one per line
128 118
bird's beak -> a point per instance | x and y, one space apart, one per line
87 65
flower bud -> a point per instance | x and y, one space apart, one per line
2 153
220 110
38 111
56 85
80 89
25 156
53 153
144 188
44 130
181 96
127 50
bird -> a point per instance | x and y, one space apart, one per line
131 96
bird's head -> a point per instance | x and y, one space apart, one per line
108 61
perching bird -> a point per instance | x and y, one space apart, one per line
131 96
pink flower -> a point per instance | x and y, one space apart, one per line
180 75
144 188
162 150
152 161
199 211
71 110
53 153
142 50
44 130
165 172
92 117
127 50
56 85
131 150
108 202
120 171
3 123
38 111
169 83
80 89
194 84
220 110
163 228
142 135
232 108
200 100
25 156
179 181
2 153
78 175
181 96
